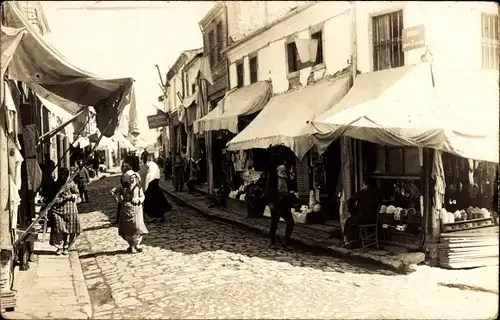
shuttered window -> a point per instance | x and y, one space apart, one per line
220 43
387 41
490 41
211 51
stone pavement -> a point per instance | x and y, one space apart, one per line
313 236
197 268
52 288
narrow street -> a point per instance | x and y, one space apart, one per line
193 267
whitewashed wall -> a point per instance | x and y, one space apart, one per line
453 37
175 86
271 49
244 17
453 30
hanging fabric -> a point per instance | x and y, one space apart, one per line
307 49
205 70
34 174
15 161
30 137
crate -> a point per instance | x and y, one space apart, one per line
467 225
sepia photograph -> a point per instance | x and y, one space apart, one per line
249 159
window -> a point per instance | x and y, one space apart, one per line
211 49
397 161
319 56
490 41
186 87
240 74
293 57
220 41
253 69
193 87
387 41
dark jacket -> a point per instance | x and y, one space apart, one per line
271 194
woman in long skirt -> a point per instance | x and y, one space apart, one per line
156 204
125 167
131 225
63 216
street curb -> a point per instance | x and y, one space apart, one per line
393 264
82 294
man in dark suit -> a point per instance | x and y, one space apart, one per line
277 195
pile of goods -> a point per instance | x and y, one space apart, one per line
314 206
402 218
464 215
238 194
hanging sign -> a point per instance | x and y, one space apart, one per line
413 38
158 120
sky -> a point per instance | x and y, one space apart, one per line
127 39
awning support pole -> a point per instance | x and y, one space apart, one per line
53 132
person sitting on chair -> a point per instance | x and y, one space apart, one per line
363 207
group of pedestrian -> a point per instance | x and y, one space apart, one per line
139 192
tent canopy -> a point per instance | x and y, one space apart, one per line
419 106
37 63
240 102
285 120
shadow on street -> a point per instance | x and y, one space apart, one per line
188 232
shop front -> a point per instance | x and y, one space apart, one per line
232 114
25 54
282 134
418 142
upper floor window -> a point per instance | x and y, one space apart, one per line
253 69
294 60
490 41
319 55
220 42
186 81
211 49
293 57
387 41
193 88
240 74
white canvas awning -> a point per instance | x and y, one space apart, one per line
55 110
240 102
285 120
48 73
451 110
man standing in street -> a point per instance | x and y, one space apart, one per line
179 173
82 181
277 194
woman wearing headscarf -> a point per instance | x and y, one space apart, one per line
131 225
65 223
125 167
156 204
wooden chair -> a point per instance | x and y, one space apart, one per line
368 234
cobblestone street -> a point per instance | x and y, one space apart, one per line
192 267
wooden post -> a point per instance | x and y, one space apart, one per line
60 151
210 162
430 215
346 143
67 160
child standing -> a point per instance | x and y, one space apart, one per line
131 225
